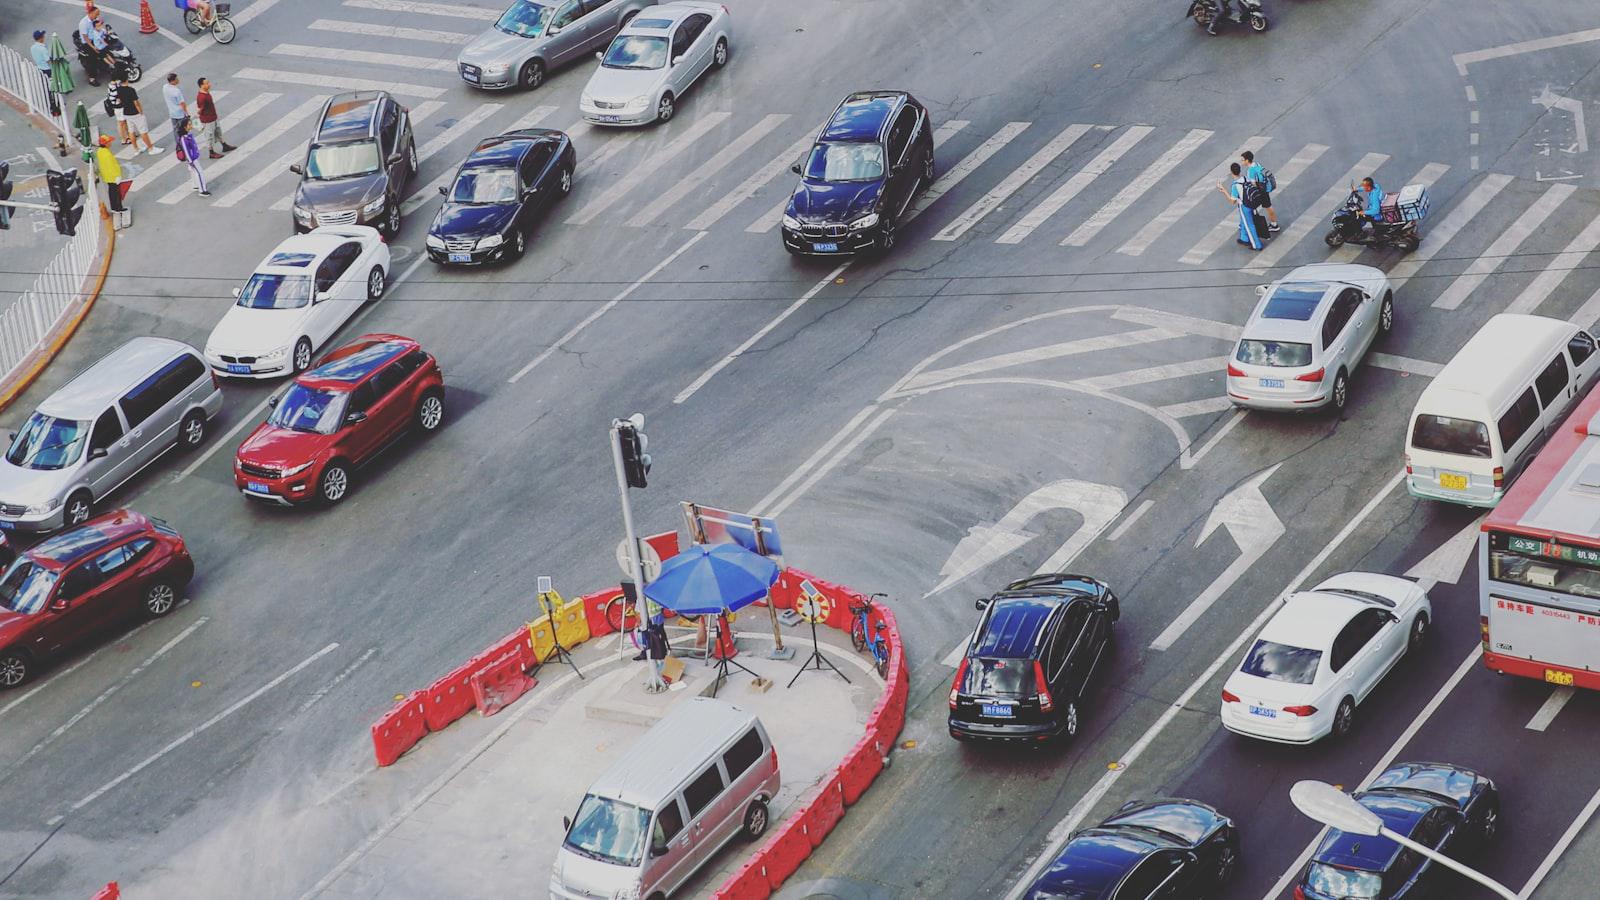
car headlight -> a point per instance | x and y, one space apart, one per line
790 222
435 242
294 470
374 206
301 213
638 103
279 353
497 68
493 240
585 99
627 893
41 508
866 221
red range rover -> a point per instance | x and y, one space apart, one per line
337 416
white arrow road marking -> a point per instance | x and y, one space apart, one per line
1447 560
1098 504
1127 523
1249 518
1551 708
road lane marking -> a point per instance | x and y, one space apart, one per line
1210 365
1137 188
1063 830
427 9
692 181
1181 207
1039 354
958 173
352 84
392 32
1458 218
818 473
439 142
1429 175
1133 517
1560 848
1552 707
192 733
1216 438
1479 270
1558 269
177 60
758 180
1013 182
1201 407
1589 313
1462 60
131 17
333 682
366 57
953 658
1226 231
1280 245
216 168
167 161
811 462
55 676
1074 185
604 308
638 174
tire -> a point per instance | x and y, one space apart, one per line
333 485
927 168
881 663
564 182
519 243
888 231
1227 864
133 71
1343 718
1486 831
302 356
391 221
665 109
15 668
628 19
756 819
192 431
858 636
1418 633
1410 244
430 412
1069 720
531 76
1341 392
1333 238
159 599
1258 23
1386 313
719 56
77 510
224 31
191 20
375 283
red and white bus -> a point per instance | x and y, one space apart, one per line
1539 561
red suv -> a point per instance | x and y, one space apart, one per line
106 572
337 416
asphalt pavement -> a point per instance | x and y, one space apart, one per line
1051 326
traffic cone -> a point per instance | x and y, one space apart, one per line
147 21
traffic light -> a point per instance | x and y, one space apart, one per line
66 195
635 461
5 194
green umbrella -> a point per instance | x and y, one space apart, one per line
60 67
81 129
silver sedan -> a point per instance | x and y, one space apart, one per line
654 60
531 39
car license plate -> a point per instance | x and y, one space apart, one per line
257 487
470 76
7 526
998 710
239 368
1271 382
1556 676
461 257
1453 482
611 119
825 248
1263 712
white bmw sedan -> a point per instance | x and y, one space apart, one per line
1321 654
299 296
654 60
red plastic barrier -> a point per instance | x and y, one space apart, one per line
399 729
450 698
749 883
594 609
499 683
517 642
785 851
860 766
112 892
826 809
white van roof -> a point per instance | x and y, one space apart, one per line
673 751
1494 366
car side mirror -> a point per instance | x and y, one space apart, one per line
98 453
983 603
566 823
656 852
237 293
272 401
795 168
444 191
320 296
297 169
13 436
600 55
60 605
1261 289
553 30
394 158
677 59
355 418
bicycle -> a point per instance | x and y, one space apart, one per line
221 26
859 627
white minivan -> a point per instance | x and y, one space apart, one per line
702 775
1491 408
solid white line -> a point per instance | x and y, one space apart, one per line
57 676
1039 354
604 308
1558 269
755 182
1013 182
1227 230
1181 207
427 9
392 32
353 84
1589 313
216 168
1552 707
705 170
1210 365
838 456
1063 829
726 361
169 159
1137 188
367 57
1133 517
1438 237
1427 175
765 503
1462 60
344 673
638 174
194 732
1479 270
1314 215
1200 407
958 173
1560 848
1216 438
1073 186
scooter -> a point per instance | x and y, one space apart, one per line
1349 227
94 63
1246 13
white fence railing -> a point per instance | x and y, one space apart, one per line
20 78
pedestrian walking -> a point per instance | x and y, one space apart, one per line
655 645
111 173
189 152
130 110
177 107
1256 173
41 58
114 106
1236 193
210 128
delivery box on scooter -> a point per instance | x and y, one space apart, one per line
1412 202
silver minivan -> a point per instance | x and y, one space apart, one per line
702 775
89 437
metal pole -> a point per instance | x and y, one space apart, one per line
1449 863
772 608
627 523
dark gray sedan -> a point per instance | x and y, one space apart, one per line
533 38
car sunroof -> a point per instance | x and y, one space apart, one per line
300 260
1294 301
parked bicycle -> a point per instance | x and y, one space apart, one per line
221 25
862 625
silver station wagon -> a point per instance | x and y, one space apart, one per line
530 39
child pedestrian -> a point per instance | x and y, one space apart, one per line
189 152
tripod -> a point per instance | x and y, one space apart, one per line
723 660
816 660
558 653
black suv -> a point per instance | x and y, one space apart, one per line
355 172
872 157
1030 660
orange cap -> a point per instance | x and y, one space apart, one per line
105 140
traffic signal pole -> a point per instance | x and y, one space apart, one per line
627 524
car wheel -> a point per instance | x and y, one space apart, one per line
1486 831
79 507
159 598
302 355
192 432
887 229
375 283
430 412
564 182
1333 238
519 243
532 75
1419 631
13 669
1227 862
756 819
411 161
1344 717
1069 719
391 221
665 108
334 483
1386 313
719 56
1341 392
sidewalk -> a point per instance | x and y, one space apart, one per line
32 242
496 823
1577 872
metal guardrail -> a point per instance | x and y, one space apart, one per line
20 78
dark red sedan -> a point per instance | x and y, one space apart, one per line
95 578
337 416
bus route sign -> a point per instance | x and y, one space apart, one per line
1535 547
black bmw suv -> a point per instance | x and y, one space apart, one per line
1029 664
361 157
872 157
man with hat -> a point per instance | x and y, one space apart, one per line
41 58
111 173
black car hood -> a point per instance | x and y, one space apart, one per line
468 220
820 201
341 193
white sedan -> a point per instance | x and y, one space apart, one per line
1321 654
654 60
299 296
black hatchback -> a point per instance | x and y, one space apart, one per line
503 185
1031 659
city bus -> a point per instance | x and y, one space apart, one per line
1539 562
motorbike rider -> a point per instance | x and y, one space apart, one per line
1224 11
92 38
1372 212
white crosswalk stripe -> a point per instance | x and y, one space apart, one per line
1558 269
757 180
1137 188
637 175
428 9
957 173
1226 231
1203 406
1013 182
1311 217
392 32
280 166
169 159
1428 175
251 147
368 57
1070 188
1479 270
349 84
1210 365
161 126
1459 216
533 117
1181 207
692 182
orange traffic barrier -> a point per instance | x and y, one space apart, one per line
785 851
516 642
147 22
501 681
450 698
860 766
826 809
112 892
399 729
749 883
594 609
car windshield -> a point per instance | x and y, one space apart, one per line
1279 354
266 291
347 159
1281 662
1346 884
845 161
485 186
45 442
26 586
999 676
1442 434
609 830
524 19
309 409
636 51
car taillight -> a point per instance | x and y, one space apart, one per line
1483 628
1301 711
1499 476
1229 696
1234 371
1408 464
1046 702
774 756
1311 376
1299 893
955 686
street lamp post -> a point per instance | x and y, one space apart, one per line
1332 807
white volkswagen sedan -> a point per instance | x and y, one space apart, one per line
299 296
654 60
1321 654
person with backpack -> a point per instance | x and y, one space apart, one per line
1242 195
1259 174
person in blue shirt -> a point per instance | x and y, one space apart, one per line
41 58
1248 236
1254 171
1373 211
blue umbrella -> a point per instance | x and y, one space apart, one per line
710 580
